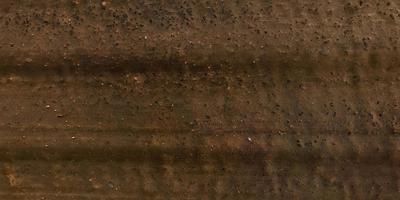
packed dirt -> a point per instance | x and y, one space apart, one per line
147 99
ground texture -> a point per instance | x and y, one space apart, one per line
152 99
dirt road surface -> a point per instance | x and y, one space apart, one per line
257 99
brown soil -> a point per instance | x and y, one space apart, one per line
255 99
